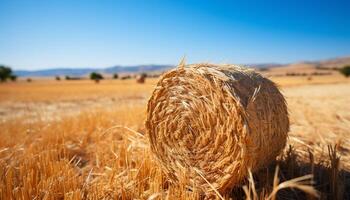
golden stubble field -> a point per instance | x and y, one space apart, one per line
81 140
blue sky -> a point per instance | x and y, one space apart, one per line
64 33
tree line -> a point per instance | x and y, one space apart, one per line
6 73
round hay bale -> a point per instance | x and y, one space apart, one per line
209 124
141 78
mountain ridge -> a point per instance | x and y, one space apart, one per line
325 63
84 71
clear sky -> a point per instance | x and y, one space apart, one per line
37 34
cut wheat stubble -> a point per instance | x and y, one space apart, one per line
216 122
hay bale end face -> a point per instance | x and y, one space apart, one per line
211 123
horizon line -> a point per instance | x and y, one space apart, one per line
152 64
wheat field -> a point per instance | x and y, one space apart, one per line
82 140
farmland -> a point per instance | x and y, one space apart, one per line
79 139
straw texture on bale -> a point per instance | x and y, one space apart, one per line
209 124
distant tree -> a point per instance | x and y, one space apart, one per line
96 77
58 78
115 76
5 73
125 77
67 77
264 69
345 70
144 75
29 80
13 78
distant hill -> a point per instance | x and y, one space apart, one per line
137 69
56 72
334 63
310 67
264 65
86 71
274 68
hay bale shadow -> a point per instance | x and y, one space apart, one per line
328 179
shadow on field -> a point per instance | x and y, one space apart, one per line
330 182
